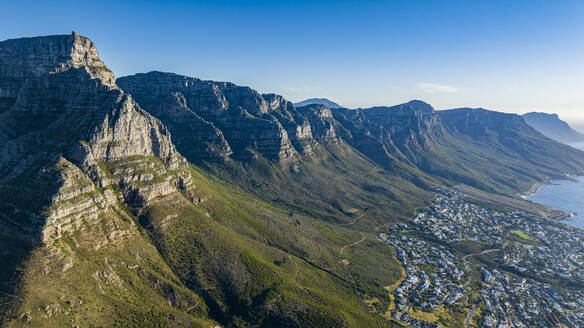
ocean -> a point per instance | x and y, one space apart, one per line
565 195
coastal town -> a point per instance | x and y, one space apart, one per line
498 267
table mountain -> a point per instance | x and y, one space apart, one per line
78 156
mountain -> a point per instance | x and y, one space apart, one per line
164 200
79 157
104 223
412 142
279 152
553 127
318 101
488 150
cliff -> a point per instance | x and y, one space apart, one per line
241 122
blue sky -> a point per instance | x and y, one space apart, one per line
513 56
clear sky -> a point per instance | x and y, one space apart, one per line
512 56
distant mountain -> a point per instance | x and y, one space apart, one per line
553 127
318 101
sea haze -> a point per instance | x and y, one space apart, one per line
565 195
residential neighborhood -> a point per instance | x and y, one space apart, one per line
503 268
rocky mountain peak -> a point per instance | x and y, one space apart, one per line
419 105
61 113
218 119
26 57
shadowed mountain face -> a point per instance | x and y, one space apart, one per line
551 126
318 101
62 118
78 155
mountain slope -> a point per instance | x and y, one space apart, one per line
68 136
318 101
492 151
552 127
518 156
271 218
324 176
104 223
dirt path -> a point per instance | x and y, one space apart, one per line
357 219
298 284
466 284
470 314
353 244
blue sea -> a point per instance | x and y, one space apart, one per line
565 195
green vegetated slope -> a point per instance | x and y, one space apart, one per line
254 263
104 272
341 186
204 251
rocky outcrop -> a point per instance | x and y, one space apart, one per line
35 57
66 133
389 135
322 123
214 120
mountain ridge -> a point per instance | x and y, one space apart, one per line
99 213
553 127
160 199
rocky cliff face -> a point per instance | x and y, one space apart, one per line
216 119
73 146
403 139
391 134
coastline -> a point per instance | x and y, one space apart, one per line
534 188
562 215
